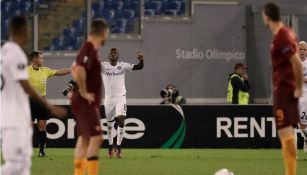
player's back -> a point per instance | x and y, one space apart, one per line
284 46
15 110
88 58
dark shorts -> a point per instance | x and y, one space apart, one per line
285 108
87 120
38 111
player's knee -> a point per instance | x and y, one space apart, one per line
121 121
42 125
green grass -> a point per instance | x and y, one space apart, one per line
173 162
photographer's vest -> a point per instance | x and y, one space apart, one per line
243 97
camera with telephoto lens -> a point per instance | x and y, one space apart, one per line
71 85
173 94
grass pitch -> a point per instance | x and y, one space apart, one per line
173 162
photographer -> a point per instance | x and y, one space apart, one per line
68 90
171 95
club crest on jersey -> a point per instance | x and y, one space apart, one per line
119 67
85 59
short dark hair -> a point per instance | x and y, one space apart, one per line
272 10
17 25
98 26
34 54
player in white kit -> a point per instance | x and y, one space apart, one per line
16 128
113 75
303 99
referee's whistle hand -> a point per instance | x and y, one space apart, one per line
58 111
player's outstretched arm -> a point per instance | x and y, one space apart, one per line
79 76
298 74
64 71
56 111
140 65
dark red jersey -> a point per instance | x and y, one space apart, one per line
283 47
88 58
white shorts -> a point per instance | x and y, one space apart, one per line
115 108
17 143
303 112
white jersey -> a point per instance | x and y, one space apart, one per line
114 80
15 108
304 97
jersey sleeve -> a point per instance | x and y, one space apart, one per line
50 72
19 66
127 66
85 56
286 45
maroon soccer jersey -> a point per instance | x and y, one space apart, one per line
88 58
285 108
284 45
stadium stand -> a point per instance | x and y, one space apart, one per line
13 8
68 32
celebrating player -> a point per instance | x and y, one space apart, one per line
113 74
86 100
287 83
15 110
303 99
38 75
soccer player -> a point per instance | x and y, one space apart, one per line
113 74
15 110
38 75
86 100
303 99
287 83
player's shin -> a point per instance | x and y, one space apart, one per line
80 166
109 132
92 166
120 135
289 154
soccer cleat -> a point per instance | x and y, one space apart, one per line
110 152
305 146
41 154
118 151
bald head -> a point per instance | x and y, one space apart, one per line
303 50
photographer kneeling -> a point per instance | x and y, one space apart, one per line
171 95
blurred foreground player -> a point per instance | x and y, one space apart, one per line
38 76
303 99
86 100
15 110
115 103
287 83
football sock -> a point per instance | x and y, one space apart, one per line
120 135
80 166
289 155
92 166
109 132
42 137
